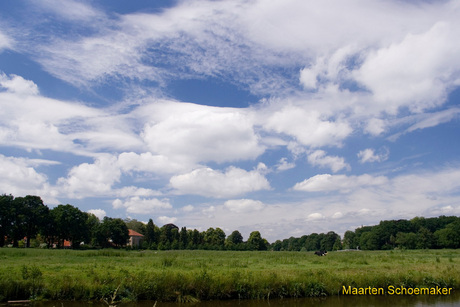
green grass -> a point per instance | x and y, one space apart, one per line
184 276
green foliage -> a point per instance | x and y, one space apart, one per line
27 217
418 233
256 242
449 237
136 226
70 224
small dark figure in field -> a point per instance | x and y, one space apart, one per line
321 253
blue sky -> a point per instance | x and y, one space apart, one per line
287 117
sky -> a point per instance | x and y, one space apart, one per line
284 116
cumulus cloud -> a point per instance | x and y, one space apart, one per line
315 216
57 125
166 220
284 165
369 155
342 183
337 215
375 126
200 133
243 205
20 178
91 179
308 127
214 183
17 84
319 158
188 208
99 213
148 162
138 205
415 72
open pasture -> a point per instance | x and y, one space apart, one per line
187 276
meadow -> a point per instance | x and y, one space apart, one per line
188 276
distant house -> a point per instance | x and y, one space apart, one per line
135 238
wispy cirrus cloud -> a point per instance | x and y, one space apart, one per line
5 41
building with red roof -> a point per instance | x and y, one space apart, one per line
135 238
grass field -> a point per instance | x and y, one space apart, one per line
186 276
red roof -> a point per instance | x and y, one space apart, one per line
133 233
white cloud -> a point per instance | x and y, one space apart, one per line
134 191
166 220
308 127
196 133
354 77
284 165
17 84
5 41
433 119
188 208
225 39
337 215
148 162
214 26
16 172
99 213
319 158
342 183
315 216
375 126
94 179
369 155
369 200
19 178
72 10
214 183
138 205
243 205
308 78
414 73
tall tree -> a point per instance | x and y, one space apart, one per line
312 242
234 240
112 230
349 239
70 224
327 243
17 230
36 215
119 232
183 238
449 236
151 236
256 242
6 217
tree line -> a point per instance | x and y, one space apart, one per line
417 233
26 221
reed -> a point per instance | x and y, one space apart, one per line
188 276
